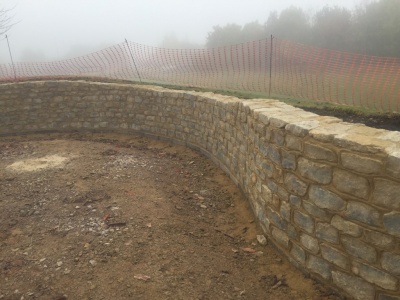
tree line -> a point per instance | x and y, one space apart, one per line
372 28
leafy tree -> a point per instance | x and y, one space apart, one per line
377 27
292 23
253 31
332 28
227 35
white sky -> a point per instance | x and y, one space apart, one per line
52 28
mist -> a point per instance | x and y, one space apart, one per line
47 30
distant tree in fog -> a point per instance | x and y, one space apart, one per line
173 42
332 28
226 35
372 28
377 28
292 24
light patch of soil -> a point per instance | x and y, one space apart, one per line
35 164
122 217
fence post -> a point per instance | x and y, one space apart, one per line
270 68
12 61
137 71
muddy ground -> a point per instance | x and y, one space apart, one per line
101 216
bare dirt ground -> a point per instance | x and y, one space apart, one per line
101 216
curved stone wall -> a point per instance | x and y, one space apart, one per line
327 193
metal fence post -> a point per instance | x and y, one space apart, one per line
270 68
137 71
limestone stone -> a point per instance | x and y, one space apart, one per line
295 201
309 243
288 160
386 193
298 254
275 218
361 164
358 211
327 233
318 152
385 296
326 199
356 287
293 143
351 184
347 227
319 266
304 221
302 128
391 263
359 249
393 163
391 221
316 212
317 172
375 276
281 237
285 211
295 185
335 256
378 239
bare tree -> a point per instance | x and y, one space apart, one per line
5 20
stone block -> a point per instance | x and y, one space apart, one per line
361 164
266 194
391 221
356 287
273 154
310 243
388 297
288 160
335 256
302 128
319 266
268 168
281 237
278 137
375 276
378 239
295 201
315 211
346 227
351 184
393 163
327 232
386 193
292 232
276 219
359 249
303 221
317 172
293 143
326 199
362 212
285 211
319 153
295 185
298 254
391 263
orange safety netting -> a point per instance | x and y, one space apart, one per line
274 67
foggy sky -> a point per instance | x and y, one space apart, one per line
54 29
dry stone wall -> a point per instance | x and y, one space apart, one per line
327 193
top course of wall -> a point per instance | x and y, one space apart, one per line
325 192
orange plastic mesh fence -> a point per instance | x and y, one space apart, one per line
279 68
